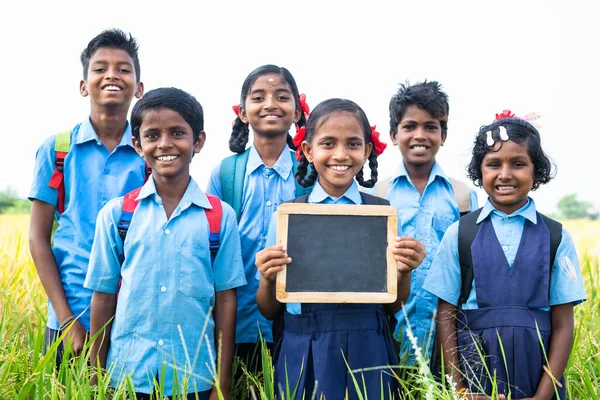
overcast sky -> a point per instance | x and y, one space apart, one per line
489 55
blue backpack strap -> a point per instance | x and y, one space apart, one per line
232 175
467 230
214 217
300 190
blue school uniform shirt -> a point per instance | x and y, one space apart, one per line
426 218
264 189
163 316
92 177
444 280
317 196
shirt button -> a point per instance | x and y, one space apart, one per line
505 219
160 342
504 248
99 143
163 289
269 203
167 231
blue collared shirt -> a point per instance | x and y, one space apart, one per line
425 218
92 177
264 189
317 196
566 283
163 315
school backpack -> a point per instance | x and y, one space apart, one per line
232 174
62 146
459 188
467 231
213 216
390 319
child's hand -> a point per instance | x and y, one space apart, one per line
270 261
409 253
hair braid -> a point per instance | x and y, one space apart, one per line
373 167
239 136
301 172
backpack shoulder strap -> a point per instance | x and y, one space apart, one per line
373 200
382 187
301 199
555 229
62 145
462 196
127 209
467 230
148 172
232 174
214 217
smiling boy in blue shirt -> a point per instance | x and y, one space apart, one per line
164 318
100 164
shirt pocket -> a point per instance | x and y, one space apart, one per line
440 225
195 274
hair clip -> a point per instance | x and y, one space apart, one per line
503 133
489 140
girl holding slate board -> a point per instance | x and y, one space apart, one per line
321 343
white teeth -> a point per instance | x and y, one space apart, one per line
166 158
506 187
419 148
340 167
112 88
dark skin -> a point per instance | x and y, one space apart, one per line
561 342
108 116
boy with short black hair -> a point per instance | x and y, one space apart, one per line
76 173
428 201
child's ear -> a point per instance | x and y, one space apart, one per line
83 88
139 92
394 136
243 115
444 136
307 150
199 143
297 115
137 145
368 149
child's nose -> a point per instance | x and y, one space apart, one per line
270 102
505 172
165 141
340 153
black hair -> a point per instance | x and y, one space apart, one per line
240 131
428 96
174 99
520 132
317 118
112 38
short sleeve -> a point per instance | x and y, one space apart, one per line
228 266
214 183
42 173
473 199
566 281
104 270
271 237
443 279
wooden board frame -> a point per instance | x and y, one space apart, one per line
283 212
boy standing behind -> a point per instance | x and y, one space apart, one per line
426 199
76 174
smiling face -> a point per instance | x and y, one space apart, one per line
507 176
270 108
419 137
167 143
337 151
111 79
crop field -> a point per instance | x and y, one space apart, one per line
26 373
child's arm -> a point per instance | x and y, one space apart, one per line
409 254
446 338
40 231
225 316
103 307
561 342
270 261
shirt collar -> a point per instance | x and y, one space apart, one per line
435 172
527 211
319 195
283 166
192 195
86 133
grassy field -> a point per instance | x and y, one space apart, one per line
26 374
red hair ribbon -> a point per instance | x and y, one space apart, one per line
504 114
378 145
236 109
298 139
303 106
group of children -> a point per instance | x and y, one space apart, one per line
165 273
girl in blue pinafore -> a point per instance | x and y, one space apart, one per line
525 276
337 141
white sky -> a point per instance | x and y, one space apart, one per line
489 55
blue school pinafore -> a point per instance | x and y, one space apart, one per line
509 301
312 344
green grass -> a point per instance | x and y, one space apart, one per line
25 373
